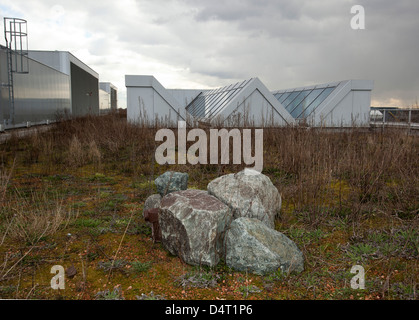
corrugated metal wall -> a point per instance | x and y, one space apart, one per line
39 95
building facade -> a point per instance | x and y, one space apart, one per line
250 103
84 81
55 83
38 95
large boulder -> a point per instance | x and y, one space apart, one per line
193 225
171 181
249 194
252 246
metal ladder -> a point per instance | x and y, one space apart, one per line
10 87
15 33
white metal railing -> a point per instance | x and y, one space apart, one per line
395 118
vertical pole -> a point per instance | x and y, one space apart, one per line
10 75
14 41
410 118
384 118
21 47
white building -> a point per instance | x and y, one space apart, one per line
249 102
108 97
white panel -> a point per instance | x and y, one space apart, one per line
163 112
255 110
265 97
140 103
54 59
341 115
148 100
362 106
348 105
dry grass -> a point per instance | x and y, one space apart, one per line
318 171
29 218
4 181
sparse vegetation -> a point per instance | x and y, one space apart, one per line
110 295
150 296
112 265
139 267
67 196
198 279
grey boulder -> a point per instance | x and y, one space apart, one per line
249 194
152 202
171 181
193 225
252 246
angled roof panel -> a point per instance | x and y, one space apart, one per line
316 103
283 97
301 102
290 98
293 104
328 103
302 106
211 103
224 102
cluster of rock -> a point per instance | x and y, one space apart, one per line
233 220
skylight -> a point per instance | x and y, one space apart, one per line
209 104
300 103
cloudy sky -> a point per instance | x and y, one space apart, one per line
208 44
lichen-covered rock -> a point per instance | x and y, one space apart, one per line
151 202
251 245
249 195
193 225
171 181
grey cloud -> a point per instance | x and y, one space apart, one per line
285 43
238 10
